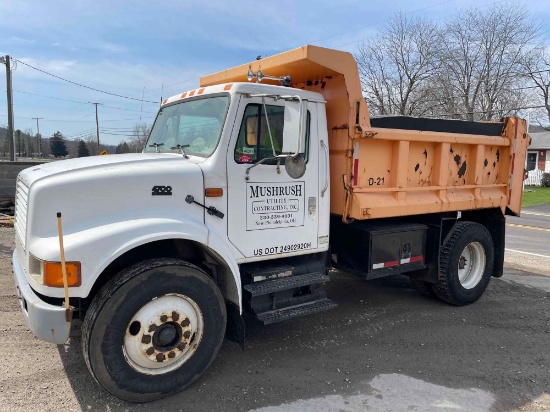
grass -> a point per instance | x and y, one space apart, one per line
533 196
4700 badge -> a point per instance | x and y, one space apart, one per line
274 250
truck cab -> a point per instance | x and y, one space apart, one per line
243 151
211 188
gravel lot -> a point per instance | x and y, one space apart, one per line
384 348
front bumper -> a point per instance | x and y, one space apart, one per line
47 322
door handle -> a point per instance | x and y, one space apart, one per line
325 187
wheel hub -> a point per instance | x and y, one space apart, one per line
163 334
166 336
471 265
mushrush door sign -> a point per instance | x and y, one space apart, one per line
274 205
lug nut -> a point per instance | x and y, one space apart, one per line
152 327
160 357
186 334
175 316
163 318
146 339
150 351
185 322
182 346
171 354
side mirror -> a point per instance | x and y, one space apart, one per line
294 132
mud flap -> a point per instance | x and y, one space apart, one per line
236 328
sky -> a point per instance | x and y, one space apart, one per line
148 50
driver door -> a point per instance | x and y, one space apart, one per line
270 214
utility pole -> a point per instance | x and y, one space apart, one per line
38 137
11 136
96 125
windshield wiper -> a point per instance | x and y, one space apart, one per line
156 146
181 147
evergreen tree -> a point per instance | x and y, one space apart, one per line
58 146
82 149
122 148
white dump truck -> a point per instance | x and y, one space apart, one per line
243 198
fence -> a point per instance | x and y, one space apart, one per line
533 178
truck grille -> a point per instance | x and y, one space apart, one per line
21 206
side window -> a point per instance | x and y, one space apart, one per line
254 142
531 161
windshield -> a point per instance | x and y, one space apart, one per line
193 126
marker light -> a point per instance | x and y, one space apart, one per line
53 276
213 192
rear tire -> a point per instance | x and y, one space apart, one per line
466 264
153 330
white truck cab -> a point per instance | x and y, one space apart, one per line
210 189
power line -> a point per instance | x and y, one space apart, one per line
80 121
82 133
73 121
80 102
82 85
50 97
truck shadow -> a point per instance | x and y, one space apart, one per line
497 346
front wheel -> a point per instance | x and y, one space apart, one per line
153 330
466 264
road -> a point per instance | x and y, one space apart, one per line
530 232
384 348
527 245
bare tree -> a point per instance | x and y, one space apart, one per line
140 134
481 60
91 144
72 147
3 139
29 146
537 67
396 64
45 146
470 67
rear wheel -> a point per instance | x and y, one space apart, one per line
153 330
466 264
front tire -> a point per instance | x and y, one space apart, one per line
153 330
466 264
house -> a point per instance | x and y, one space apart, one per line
538 154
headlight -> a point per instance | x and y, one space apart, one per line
50 273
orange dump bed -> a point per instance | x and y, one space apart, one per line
383 171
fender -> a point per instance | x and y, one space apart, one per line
97 247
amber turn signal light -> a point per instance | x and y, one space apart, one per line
213 192
53 275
